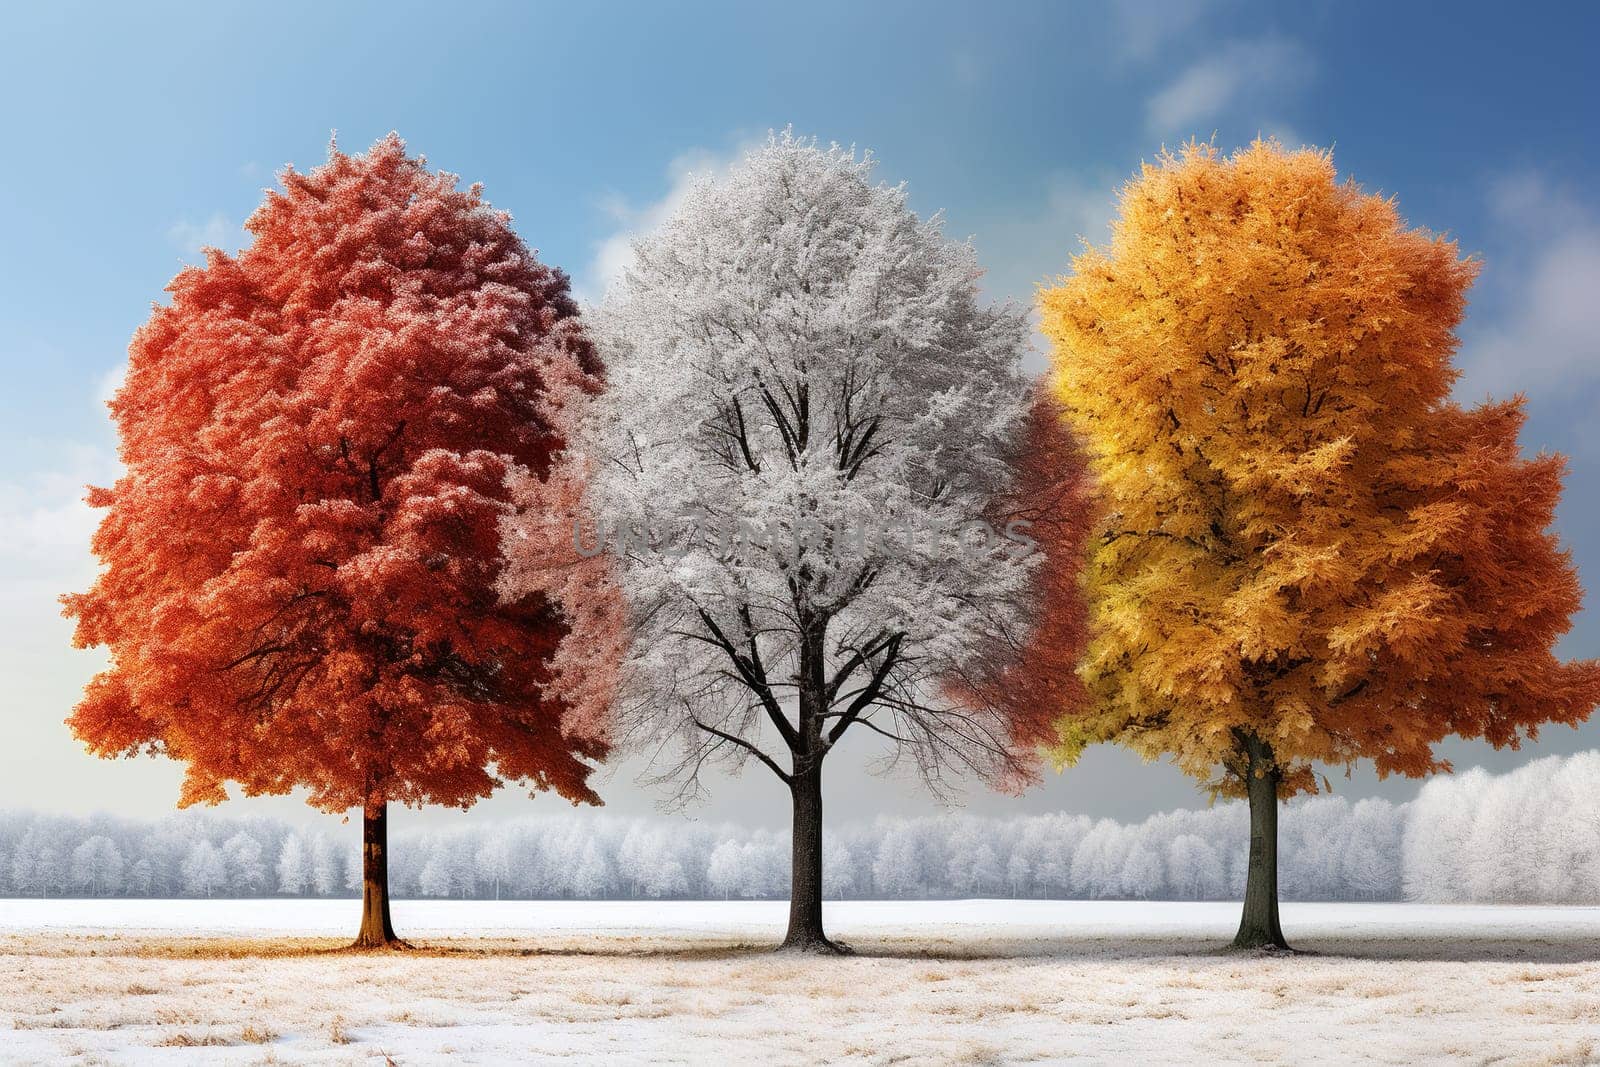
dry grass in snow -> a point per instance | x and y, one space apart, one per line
936 982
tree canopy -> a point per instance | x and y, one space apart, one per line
301 561
1305 539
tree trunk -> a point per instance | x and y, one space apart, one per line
805 886
1258 926
376 929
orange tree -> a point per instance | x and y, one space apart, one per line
325 437
1307 553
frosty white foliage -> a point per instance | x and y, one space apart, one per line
294 871
203 869
97 866
246 873
1531 836
795 353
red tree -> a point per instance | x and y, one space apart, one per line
303 559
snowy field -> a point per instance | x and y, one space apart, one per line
986 981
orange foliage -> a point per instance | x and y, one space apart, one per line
1304 539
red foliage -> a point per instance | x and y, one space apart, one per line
302 561
1033 683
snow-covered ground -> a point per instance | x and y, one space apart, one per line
935 981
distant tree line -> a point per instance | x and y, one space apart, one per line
1523 837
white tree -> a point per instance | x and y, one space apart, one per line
204 871
141 879
24 864
165 847
838 869
1052 841
327 866
97 866
1019 873
1194 869
437 878
898 868
726 868
494 860
972 865
766 865
649 860
1370 865
1312 842
294 867
1097 864
592 875
1143 874
1571 804
451 869
1435 844
247 874
808 410
52 868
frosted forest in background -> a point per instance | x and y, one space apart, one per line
1529 836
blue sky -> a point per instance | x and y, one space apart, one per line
133 135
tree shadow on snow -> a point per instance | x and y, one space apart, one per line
689 948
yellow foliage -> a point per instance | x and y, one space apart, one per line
1304 539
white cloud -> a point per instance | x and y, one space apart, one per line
1239 75
214 232
614 253
44 523
1548 281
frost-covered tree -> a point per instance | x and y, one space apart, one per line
808 411
24 865
294 867
247 874
493 861
1526 837
1194 870
97 866
1097 865
591 874
1143 875
648 860
37 867
204 871
973 866
50 869
898 868
165 847
725 868
141 878
451 869
327 866
1370 867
